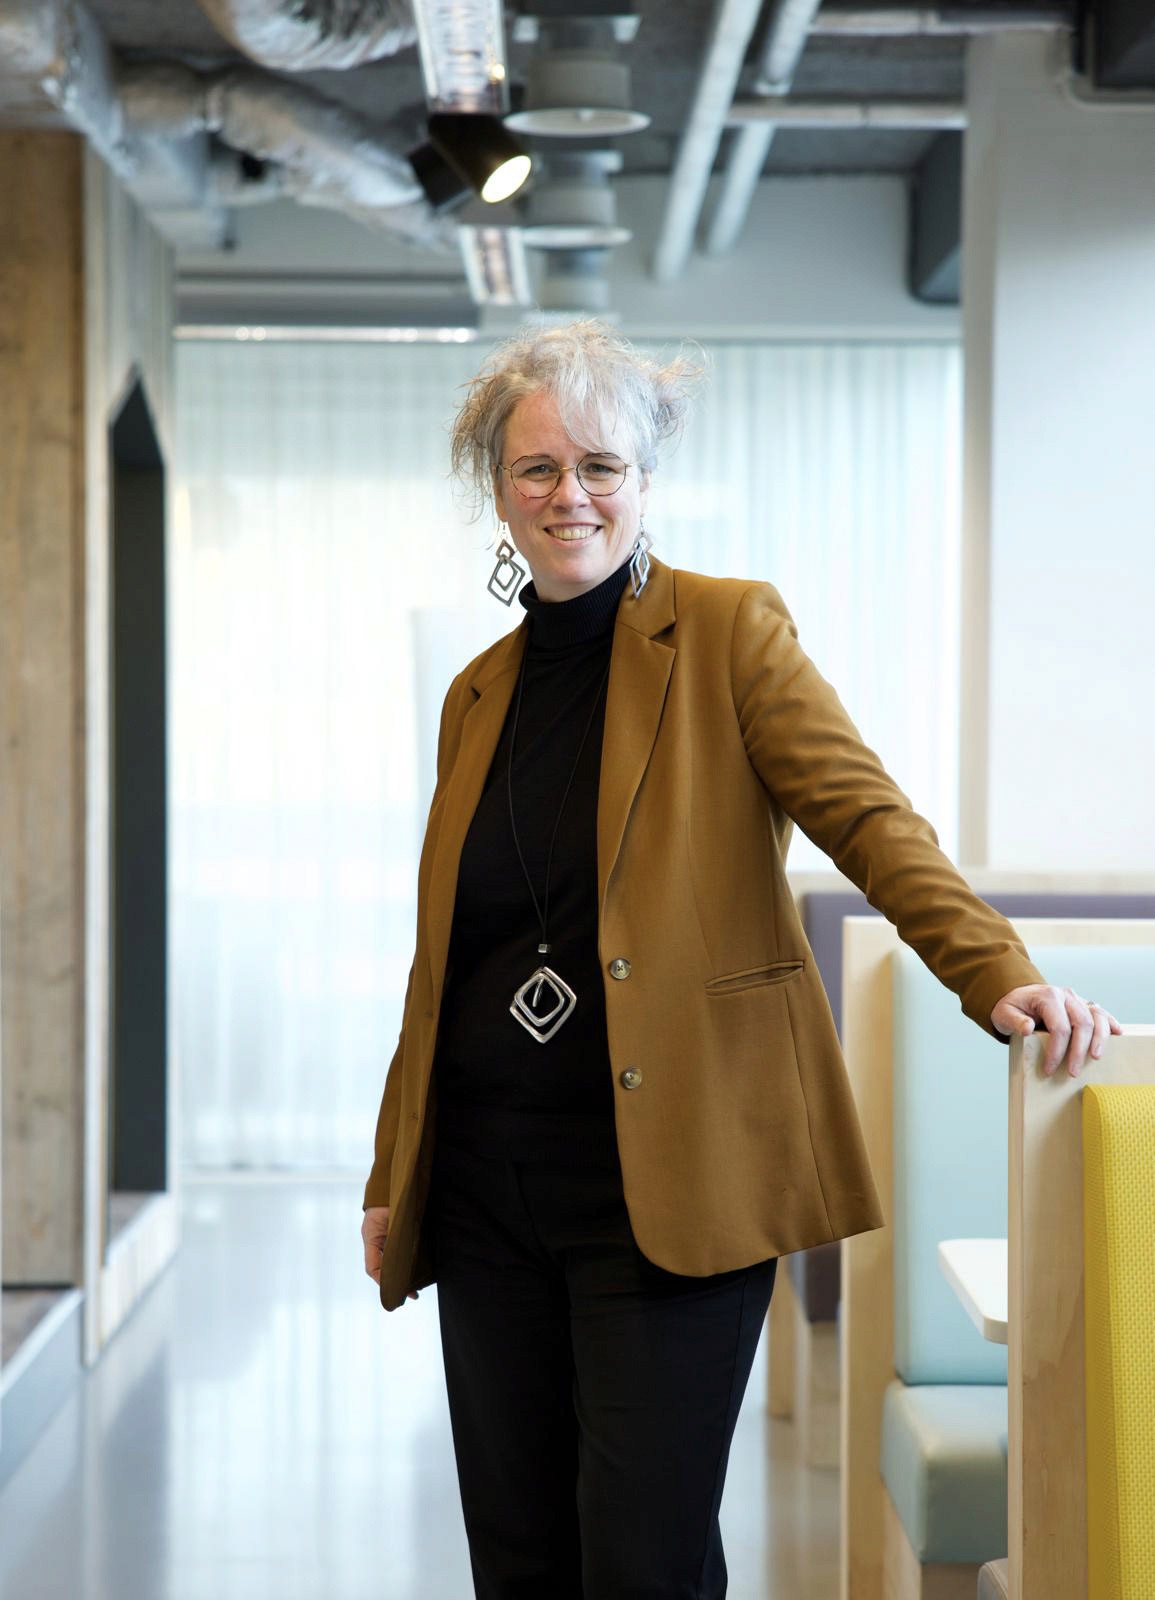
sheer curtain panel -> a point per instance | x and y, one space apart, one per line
326 585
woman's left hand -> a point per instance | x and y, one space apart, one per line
1076 1027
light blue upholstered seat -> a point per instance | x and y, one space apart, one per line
944 1460
944 1425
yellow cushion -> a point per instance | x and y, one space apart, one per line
1119 1305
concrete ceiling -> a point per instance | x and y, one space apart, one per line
282 259
665 59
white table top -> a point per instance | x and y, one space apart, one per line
976 1270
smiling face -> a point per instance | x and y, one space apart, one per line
573 538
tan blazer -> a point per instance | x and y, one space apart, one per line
736 1128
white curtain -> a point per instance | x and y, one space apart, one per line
325 587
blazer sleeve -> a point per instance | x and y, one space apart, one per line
388 1115
812 759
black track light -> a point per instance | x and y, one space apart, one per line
468 154
444 186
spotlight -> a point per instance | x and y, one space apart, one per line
444 186
468 153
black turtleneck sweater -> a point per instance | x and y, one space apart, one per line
503 1087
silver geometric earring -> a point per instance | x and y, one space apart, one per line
505 579
640 561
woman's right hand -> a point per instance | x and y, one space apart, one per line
374 1231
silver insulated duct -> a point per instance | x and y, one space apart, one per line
304 35
323 153
152 123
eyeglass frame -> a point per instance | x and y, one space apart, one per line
602 494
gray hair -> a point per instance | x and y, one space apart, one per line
600 383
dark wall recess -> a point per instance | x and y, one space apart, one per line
138 813
1123 43
936 223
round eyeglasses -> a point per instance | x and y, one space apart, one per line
538 476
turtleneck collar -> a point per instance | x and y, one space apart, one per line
558 624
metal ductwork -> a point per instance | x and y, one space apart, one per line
56 67
54 58
573 205
865 22
152 123
790 24
322 153
578 86
575 282
734 23
304 35
792 111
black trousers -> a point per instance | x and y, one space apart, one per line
592 1394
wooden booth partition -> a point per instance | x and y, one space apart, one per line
1046 1479
1047 1443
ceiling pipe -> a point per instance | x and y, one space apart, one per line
734 22
789 112
791 25
917 21
306 35
575 282
788 31
575 207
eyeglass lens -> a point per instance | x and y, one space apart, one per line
537 476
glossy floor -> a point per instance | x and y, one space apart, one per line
261 1430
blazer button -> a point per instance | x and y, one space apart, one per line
619 967
631 1078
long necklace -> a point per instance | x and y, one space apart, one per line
543 1025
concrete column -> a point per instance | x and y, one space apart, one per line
42 703
1059 516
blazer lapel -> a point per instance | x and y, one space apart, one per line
640 667
492 685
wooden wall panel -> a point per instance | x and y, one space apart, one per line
41 702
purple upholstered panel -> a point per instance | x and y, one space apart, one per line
822 916
817 1285
815 1274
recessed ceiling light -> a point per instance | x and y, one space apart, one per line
577 122
577 93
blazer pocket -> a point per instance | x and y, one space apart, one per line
750 977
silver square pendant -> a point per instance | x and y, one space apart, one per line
543 1025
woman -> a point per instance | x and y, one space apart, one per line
618 1095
